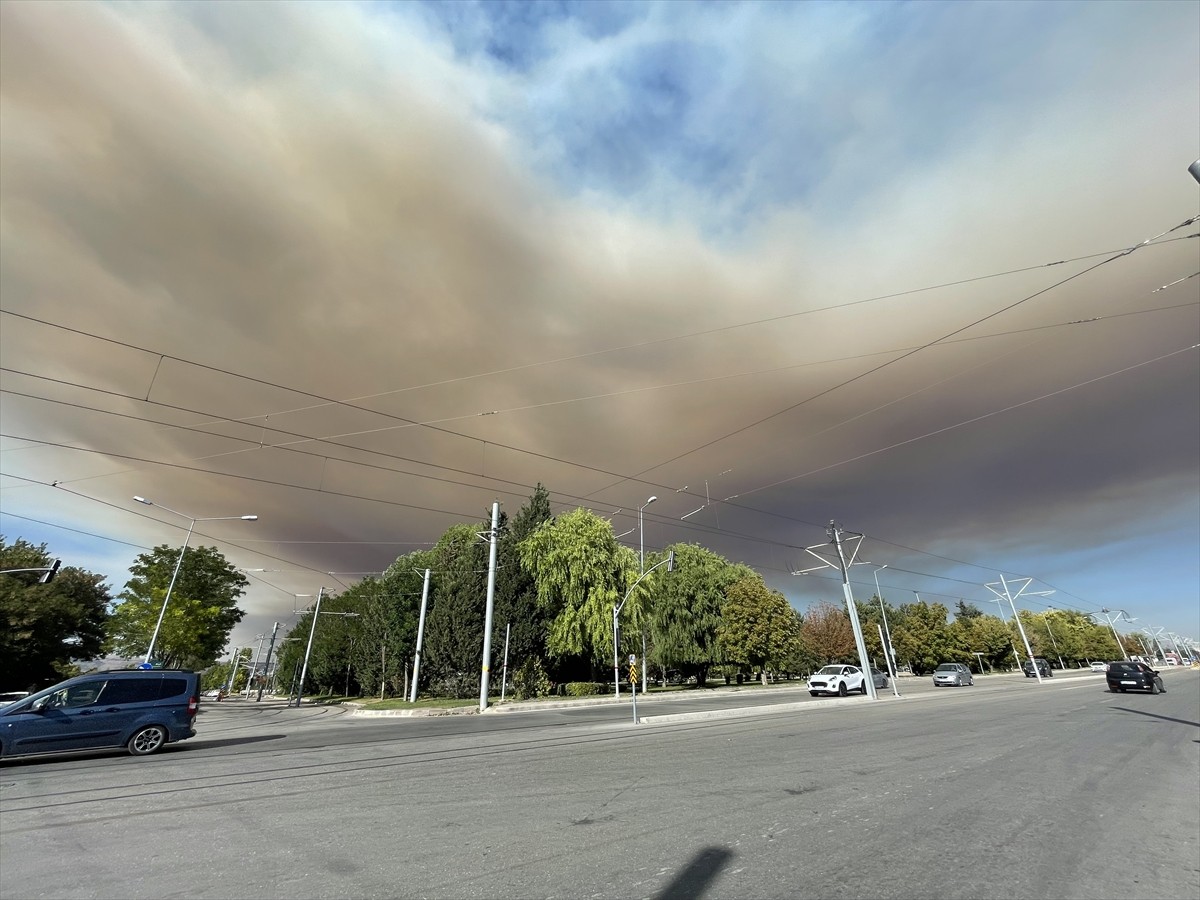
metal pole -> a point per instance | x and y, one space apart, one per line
616 661
504 671
420 637
487 616
888 652
167 599
1117 637
836 535
888 663
1021 628
307 650
642 571
233 667
1054 642
267 667
254 666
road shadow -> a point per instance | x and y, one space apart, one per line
697 876
227 742
1142 712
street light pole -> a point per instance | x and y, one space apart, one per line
179 562
642 568
669 562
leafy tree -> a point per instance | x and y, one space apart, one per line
516 603
965 610
828 634
923 639
454 623
685 615
581 573
983 634
45 626
758 628
197 622
217 676
391 609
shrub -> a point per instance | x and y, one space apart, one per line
585 688
530 680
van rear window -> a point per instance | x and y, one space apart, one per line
173 687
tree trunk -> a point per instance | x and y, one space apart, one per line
764 676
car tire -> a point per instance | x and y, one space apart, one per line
842 689
1154 688
1113 688
812 693
147 740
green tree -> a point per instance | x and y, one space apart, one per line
45 626
983 634
581 573
758 628
923 638
197 621
965 610
516 604
685 614
454 623
391 608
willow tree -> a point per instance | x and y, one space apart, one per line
581 573
686 611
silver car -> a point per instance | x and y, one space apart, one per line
952 675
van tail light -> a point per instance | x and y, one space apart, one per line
193 705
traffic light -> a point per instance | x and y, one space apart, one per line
49 574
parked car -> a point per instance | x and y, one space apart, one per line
952 675
1099 667
12 697
1133 676
141 710
880 678
1043 668
839 680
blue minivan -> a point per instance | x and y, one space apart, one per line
141 710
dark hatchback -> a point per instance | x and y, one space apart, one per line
1133 676
140 710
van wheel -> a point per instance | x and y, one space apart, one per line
147 740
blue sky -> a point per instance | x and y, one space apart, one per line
784 262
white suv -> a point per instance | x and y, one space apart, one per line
839 680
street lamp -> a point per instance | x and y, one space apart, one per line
887 651
641 538
179 563
669 562
641 570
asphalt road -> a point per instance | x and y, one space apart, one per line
1007 789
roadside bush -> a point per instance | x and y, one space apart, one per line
459 685
530 681
585 688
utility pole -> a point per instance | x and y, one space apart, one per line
254 666
307 650
420 638
233 667
1010 597
267 668
836 537
487 616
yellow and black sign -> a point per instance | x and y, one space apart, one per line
633 673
